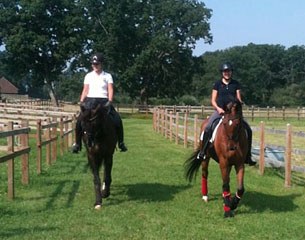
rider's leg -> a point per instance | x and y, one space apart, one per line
207 135
120 129
249 133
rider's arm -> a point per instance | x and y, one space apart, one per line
214 103
110 92
84 92
238 95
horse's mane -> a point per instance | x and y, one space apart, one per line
234 107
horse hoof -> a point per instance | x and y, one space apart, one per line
205 198
105 194
228 214
97 206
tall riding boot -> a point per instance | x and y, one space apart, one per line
119 128
77 146
248 158
205 143
120 131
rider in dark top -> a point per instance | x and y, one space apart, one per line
223 92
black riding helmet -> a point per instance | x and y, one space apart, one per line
226 66
97 58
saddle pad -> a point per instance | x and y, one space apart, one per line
215 131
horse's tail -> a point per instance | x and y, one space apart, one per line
192 165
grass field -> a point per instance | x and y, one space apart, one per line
150 199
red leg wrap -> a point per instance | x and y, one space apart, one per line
226 200
204 186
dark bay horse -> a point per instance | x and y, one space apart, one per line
100 138
228 149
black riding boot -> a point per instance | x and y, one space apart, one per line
248 158
121 143
119 128
205 144
77 146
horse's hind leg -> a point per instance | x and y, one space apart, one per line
204 180
107 177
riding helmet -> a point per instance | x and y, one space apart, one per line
226 66
97 58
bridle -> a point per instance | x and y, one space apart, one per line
236 122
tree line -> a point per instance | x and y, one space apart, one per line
148 48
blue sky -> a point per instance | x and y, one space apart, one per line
240 22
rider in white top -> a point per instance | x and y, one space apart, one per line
98 88
98 83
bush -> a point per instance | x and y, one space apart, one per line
188 100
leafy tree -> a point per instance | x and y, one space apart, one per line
41 37
149 43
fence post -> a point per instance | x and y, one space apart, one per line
177 128
195 131
185 129
10 165
47 134
25 157
170 125
61 126
299 109
288 157
38 145
252 113
283 110
262 149
54 143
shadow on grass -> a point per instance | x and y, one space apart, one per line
259 202
151 192
20 232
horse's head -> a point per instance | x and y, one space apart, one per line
232 119
234 108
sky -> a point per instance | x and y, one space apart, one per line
240 22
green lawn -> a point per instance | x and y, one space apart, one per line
150 199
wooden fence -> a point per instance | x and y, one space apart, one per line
48 132
182 128
250 112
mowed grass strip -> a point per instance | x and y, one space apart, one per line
150 199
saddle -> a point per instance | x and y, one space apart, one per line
213 130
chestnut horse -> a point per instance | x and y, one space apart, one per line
100 138
229 149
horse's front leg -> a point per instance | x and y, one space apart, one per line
96 182
240 170
226 194
107 177
204 180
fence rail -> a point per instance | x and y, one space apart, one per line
185 130
49 132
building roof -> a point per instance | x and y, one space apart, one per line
7 87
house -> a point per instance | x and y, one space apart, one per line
6 87
9 91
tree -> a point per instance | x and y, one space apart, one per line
148 43
41 38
